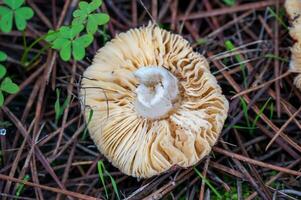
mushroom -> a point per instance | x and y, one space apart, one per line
293 9
155 103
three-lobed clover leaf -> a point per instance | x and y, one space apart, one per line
67 42
96 20
84 15
13 10
7 85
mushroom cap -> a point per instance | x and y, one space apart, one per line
140 146
293 9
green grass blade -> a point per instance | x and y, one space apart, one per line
88 122
20 186
245 110
272 109
57 106
100 167
208 183
114 185
272 56
278 18
242 127
260 112
230 47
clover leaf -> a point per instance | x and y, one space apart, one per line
13 10
7 85
3 56
2 71
84 15
67 42
70 40
96 20
79 45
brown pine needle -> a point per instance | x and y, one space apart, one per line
282 128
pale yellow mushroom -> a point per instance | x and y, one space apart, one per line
155 103
293 9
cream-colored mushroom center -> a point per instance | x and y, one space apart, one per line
156 93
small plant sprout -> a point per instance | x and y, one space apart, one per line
58 108
230 47
102 172
88 122
13 10
85 15
20 186
7 85
74 39
68 42
229 2
162 114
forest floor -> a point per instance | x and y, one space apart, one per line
46 152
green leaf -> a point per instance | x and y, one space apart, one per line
4 10
9 86
95 20
21 15
94 5
3 56
92 24
208 183
100 167
76 29
65 32
65 52
85 40
65 104
57 106
2 71
245 110
78 46
78 51
229 2
14 4
260 113
52 35
20 186
70 33
84 6
101 18
1 99
91 112
59 43
79 13
78 20
114 186
6 21
26 12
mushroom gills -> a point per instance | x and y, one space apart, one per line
156 93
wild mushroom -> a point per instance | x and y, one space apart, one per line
293 9
155 102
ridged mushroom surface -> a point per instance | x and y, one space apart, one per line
293 9
155 103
